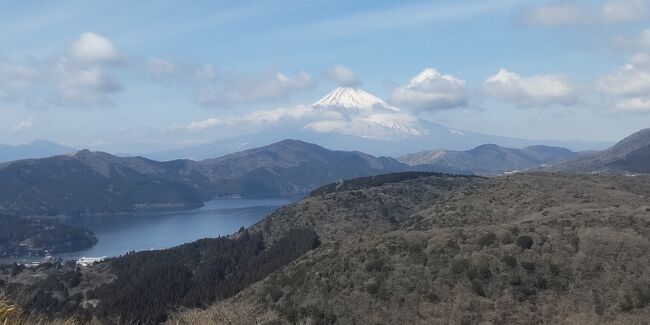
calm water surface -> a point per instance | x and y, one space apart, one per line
119 235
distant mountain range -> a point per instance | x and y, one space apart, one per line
351 248
345 119
34 149
353 119
89 183
490 159
629 156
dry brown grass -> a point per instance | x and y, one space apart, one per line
226 313
11 313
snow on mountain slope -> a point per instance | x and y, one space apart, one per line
352 99
363 115
350 119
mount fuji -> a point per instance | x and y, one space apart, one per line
353 119
356 112
352 99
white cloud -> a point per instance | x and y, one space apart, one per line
626 81
624 11
83 85
78 77
81 77
539 90
241 89
93 48
568 14
557 15
159 68
634 105
205 72
643 41
342 76
430 91
402 15
24 125
639 46
221 89
641 59
627 89
374 123
273 116
202 125
15 78
297 113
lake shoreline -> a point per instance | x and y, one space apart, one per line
141 231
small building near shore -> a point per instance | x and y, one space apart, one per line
88 261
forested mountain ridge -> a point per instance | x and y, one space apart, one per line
143 287
88 183
528 248
289 167
93 183
421 249
197 273
35 237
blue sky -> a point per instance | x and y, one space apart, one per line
127 76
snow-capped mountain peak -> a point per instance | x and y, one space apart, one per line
359 113
352 99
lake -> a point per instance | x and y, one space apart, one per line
121 234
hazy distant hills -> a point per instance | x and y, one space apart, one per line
34 149
353 119
630 155
87 183
490 159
